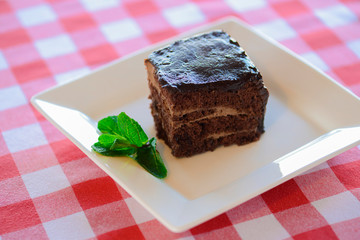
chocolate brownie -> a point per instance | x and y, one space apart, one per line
205 92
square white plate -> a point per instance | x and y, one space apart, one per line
304 115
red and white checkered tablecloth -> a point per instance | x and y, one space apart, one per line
50 190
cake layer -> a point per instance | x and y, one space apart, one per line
180 103
190 133
189 148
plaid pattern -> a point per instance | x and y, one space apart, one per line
50 190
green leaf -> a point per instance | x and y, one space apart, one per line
97 147
149 158
109 125
113 141
123 136
131 130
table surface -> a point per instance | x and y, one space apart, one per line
50 190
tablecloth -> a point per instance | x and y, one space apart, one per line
49 189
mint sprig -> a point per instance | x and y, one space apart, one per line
123 136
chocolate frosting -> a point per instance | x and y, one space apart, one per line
213 60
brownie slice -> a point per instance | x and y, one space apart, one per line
205 93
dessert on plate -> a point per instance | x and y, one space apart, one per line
205 92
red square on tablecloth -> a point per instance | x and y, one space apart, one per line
18 216
35 86
65 63
320 184
223 233
66 8
8 168
31 71
284 196
57 204
99 55
66 151
350 155
45 30
320 233
138 8
12 190
16 117
290 8
254 208
21 54
12 23
259 15
348 174
14 37
350 74
346 32
338 56
7 78
321 38
35 159
88 38
132 232
36 232
214 9
151 23
305 23
155 230
218 222
96 192
78 22
4 7
161 35
51 132
109 217
300 219
129 46
348 229
297 45
82 170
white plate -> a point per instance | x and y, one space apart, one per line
304 108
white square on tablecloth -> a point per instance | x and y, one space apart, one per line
355 47
25 137
277 29
45 181
70 75
55 46
316 60
95 5
245 5
138 212
270 229
183 15
335 16
75 226
338 208
36 15
11 97
121 30
3 62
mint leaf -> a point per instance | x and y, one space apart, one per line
113 141
149 158
109 125
131 130
97 147
123 136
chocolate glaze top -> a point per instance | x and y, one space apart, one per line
213 60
